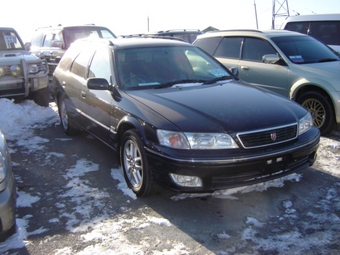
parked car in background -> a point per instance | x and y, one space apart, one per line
324 27
178 118
292 64
22 75
7 192
50 43
187 35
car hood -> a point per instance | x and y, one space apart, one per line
325 70
231 107
15 56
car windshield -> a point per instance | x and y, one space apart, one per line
304 49
9 40
160 67
74 33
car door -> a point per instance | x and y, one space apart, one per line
253 70
73 81
96 105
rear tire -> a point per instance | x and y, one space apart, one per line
67 124
321 108
134 164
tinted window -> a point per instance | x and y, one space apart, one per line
81 62
100 65
301 27
254 49
9 40
326 31
37 39
304 49
230 47
48 40
74 33
208 44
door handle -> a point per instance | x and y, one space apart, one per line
83 94
246 68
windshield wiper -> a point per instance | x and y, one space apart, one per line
171 83
222 78
327 60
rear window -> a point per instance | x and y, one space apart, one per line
208 44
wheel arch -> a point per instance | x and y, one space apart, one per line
130 122
299 89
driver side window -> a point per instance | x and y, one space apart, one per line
100 65
255 48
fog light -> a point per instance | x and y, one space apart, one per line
15 70
186 180
2 71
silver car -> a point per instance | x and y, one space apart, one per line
292 64
7 191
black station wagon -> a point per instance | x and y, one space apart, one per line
178 118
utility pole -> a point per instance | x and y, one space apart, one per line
257 24
281 11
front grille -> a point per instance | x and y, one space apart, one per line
260 173
262 138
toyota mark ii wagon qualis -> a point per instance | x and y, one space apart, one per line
178 118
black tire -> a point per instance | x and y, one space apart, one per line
42 97
321 108
66 122
134 164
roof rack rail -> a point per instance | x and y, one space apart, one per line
152 36
235 30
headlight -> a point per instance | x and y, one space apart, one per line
2 71
195 141
15 70
305 123
33 69
2 168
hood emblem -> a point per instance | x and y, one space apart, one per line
273 136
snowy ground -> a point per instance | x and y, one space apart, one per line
18 122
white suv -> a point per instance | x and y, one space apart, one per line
292 64
22 75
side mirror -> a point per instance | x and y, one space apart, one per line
98 84
57 44
28 46
270 58
234 71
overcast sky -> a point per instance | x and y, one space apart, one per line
138 16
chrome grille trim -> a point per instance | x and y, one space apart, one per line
262 137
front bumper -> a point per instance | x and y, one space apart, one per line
219 170
22 85
7 206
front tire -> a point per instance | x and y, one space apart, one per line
134 164
321 108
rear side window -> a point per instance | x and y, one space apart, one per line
230 47
208 44
327 32
301 27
